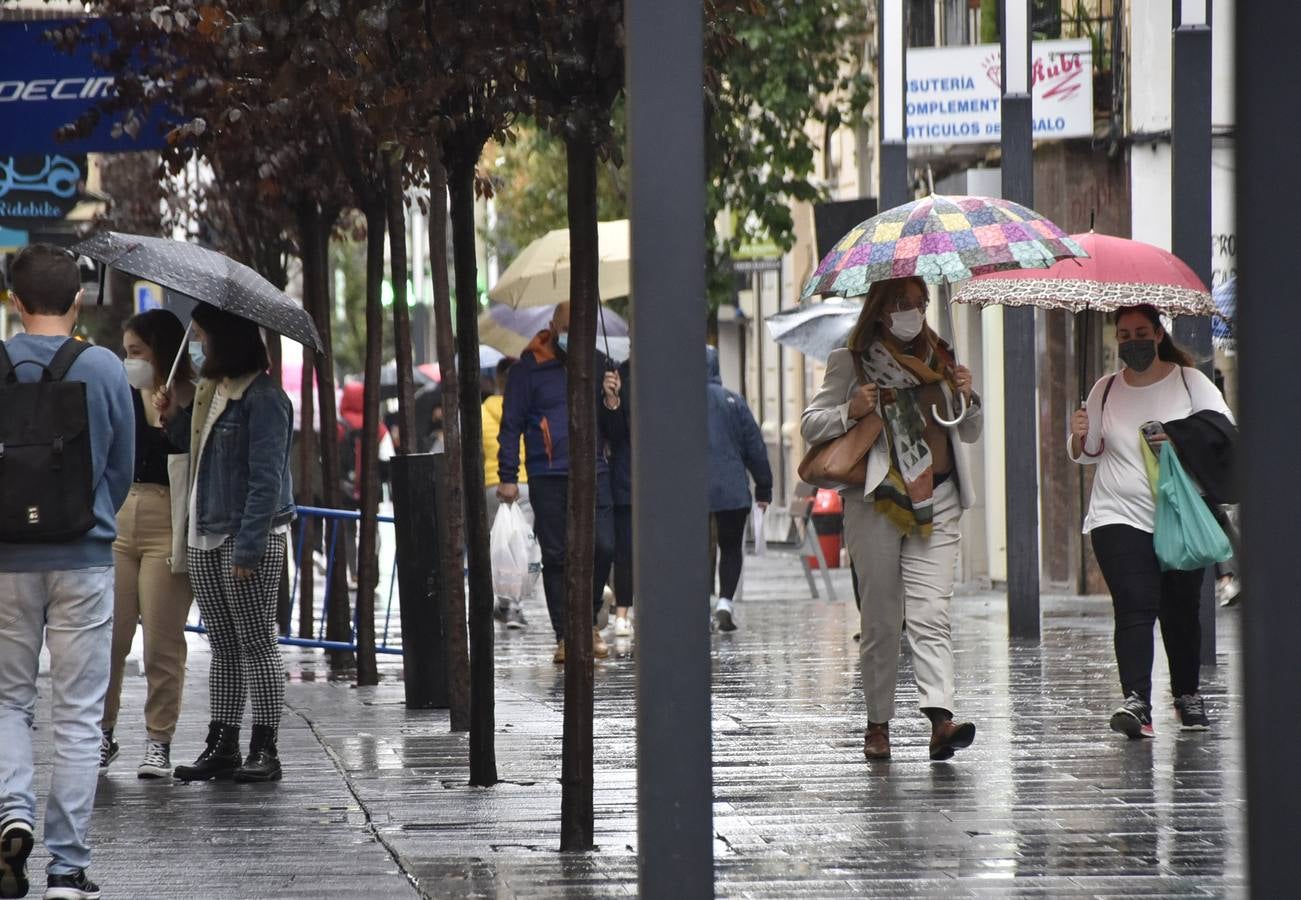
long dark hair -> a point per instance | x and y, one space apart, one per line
1166 349
867 327
162 333
234 345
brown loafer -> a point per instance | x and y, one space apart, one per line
876 743
948 736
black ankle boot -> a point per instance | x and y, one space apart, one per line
220 758
263 763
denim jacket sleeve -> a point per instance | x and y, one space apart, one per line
269 421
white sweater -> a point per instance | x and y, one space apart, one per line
1122 494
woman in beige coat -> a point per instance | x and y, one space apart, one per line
902 528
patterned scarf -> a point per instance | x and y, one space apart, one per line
905 497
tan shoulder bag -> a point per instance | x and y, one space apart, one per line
842 461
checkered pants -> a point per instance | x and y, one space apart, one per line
240 616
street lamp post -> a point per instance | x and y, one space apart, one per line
1190 198
1269 131
892 72
1019 361
665 68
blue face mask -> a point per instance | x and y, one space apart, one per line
196 354
562 341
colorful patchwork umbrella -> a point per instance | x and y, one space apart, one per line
940 239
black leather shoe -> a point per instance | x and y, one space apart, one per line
263 763
219 759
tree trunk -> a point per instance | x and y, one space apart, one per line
368 530
397 229
315 224
483 754
576 816
458 652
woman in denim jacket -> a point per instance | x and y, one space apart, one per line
237 426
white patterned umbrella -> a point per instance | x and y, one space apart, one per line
205 275
815 329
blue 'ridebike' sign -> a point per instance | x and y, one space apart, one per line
42 88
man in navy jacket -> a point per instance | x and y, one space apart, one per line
536 407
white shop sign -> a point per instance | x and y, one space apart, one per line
954 92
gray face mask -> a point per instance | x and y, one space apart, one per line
1138 355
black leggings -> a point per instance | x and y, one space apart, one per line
730 527
623 556
1141 594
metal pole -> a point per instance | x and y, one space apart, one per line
892 135
1019 360
670 457
1269 131
1190 200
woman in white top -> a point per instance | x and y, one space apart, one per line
1157 384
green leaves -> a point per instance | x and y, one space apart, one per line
782 76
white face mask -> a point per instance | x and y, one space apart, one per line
139 373
907 325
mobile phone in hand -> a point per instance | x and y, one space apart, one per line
1151 430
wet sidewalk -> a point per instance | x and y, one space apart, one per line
1047 803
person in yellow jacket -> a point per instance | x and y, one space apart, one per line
505 612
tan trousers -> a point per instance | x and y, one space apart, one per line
905 579
146 592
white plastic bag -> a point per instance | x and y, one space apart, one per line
511 537
534 576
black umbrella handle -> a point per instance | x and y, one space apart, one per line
600 311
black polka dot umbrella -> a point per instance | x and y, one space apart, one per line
205 275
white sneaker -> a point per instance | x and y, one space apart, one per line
622 627
607 608
157 762
1227 591
723 615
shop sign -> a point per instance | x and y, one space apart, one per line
44 187
954 93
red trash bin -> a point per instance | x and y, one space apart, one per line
828 526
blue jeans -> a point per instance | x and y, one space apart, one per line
73 610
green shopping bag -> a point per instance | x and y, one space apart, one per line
1187 537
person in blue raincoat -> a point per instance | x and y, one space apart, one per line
736 453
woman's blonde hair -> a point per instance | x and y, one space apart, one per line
865 329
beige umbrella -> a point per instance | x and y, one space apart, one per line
495 334
510 330
539 276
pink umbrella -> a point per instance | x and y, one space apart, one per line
291 379
1117 272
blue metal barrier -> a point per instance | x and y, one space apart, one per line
332 519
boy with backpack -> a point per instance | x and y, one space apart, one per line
67 435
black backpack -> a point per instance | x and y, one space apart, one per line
46 489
